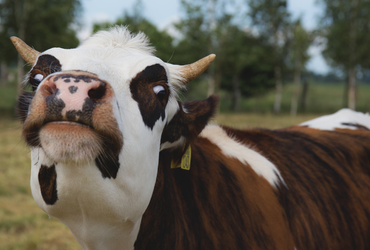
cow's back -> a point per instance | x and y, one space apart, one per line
322 201
327 175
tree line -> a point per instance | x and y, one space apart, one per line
257 49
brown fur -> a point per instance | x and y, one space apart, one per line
46 65
222 204
48 184
152 106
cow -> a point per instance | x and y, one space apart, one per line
124 164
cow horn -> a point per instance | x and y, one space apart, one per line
192 71
26 52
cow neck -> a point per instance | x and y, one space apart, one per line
110 237
96 224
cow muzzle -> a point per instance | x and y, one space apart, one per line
72 96
71 117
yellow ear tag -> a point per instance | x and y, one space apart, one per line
185 160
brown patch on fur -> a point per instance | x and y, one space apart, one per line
46 65
152 106
198 114
190 123
112 139
48 184
222 204
219 204
327 174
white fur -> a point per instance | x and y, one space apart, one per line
176 144
336 120
119 37
232 148
106 213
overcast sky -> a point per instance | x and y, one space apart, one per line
164 12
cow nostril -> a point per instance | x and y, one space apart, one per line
97 93
49 89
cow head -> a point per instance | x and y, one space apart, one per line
96 120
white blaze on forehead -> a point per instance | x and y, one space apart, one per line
234 149
116 56
119 37
339 120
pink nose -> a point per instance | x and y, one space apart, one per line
72 96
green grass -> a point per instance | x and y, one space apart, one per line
23 225
321 98
8 99
8 95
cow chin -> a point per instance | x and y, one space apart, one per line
69 142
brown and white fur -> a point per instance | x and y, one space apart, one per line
104 124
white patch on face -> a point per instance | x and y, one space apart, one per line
234 149
105 213
336 120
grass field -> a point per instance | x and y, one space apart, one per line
321 98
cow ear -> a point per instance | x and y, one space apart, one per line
188 122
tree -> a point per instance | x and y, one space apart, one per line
242 65
346 26
272 19
135 21
199 35
247 68
299 56
41 23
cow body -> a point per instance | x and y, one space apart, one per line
106 133
323 202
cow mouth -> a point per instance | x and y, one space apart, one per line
65 141
73 141
31 130
71 123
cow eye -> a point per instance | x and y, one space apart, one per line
159 90
38 78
